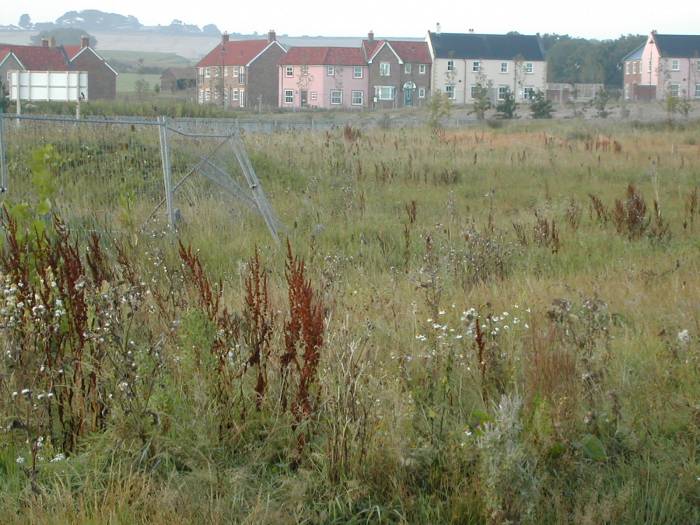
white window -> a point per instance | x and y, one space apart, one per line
628 68
473 91
201 96
504 67
529 68
357 72
201 71
697 65
289 71
225 71
450 92
358 98
330 71
207 72
289 96
384 92
236 71
313 95
422 68
304 70
336 97
528 93
384 69
476 66
207 95
697 90
675 65
450 65
673 90
502 91
636 68
407 68
421 92
235 96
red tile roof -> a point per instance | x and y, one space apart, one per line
234 53
71 51
322 56
409 51
38 58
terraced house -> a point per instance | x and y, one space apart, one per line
323 77
666 65
463 61
399 72
241 73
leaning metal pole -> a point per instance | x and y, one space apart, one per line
167 174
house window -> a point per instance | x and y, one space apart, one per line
473 91
304 70
201 96
528 93
289 71
235 96
207 72
336 97
289 96
313 95
201 71
502 92
697 90
697 65
421 92
529 68
207 95
357 72
636 68
504 67
476 66
225 71
234 69
358 98
450 92
384 69
673 90
330 71
628 68
675 65
450 65
384 92
422 68
407 68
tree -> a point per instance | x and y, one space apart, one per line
541 107
482 102
64 36
506 108
25 21
600 103
439 108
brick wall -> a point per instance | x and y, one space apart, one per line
102 82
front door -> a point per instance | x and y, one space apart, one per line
408 97
304 98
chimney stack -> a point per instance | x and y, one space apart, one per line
84 41
437 28
370 37
224 38
44 42
271 35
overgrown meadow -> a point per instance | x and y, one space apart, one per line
484 325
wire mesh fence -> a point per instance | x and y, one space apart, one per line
129 174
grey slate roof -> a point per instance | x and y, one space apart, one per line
636 54
486 47
678 46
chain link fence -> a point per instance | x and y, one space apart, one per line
127 173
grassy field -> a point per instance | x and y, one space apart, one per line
128 82
473 325
135 60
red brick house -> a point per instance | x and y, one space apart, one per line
241 73
102 78
399 72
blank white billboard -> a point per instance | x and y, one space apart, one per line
64 86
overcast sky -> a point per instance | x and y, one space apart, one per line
589 18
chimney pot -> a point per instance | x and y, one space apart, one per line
44 42
52 42
370 36
84 41
224 38
271 35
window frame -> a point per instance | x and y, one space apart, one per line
353 93
674 86
502 89
450 92
385 69
450 65
506 68
288 96
289 71
423 68
338 92
675 64
355 70
697 90
330 71
529 68
476 66
421 92
407 68
532 90
379 91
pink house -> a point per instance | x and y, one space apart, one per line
323 77
670 66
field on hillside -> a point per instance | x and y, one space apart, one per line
128 82
471 325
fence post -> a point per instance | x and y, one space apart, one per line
167 175
3 162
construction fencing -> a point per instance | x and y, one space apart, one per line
127 173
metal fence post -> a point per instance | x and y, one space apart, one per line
167 174
3 160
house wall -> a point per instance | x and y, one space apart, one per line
227 80
319 82
263 79
102 81
685 77
463 77
632 79
10 64
397 78
650 66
